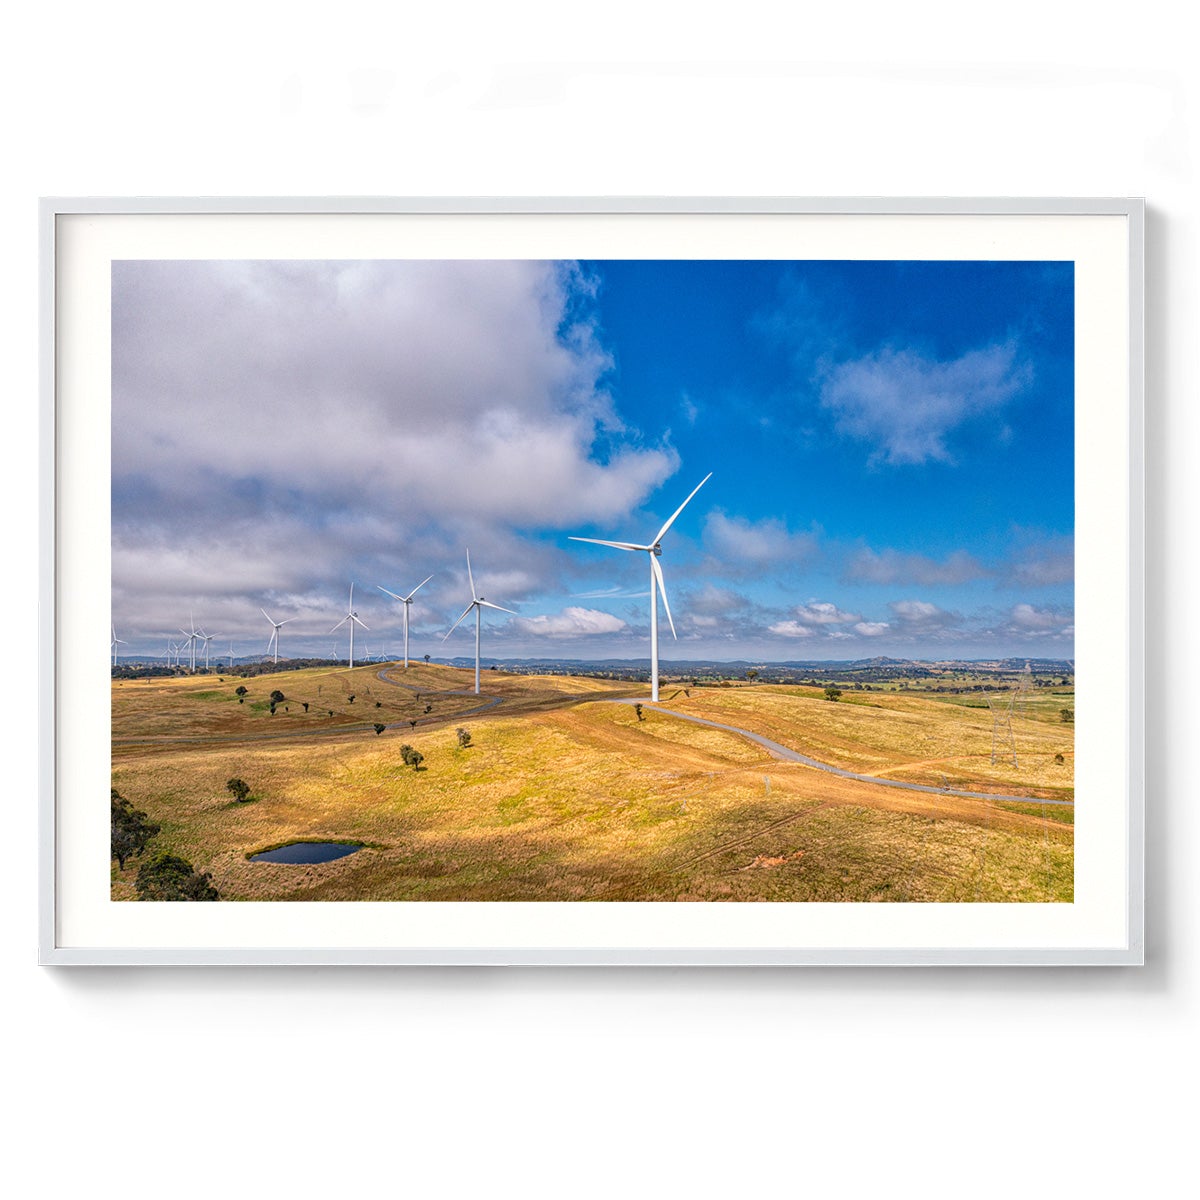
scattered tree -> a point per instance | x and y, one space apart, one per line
239 787
277 697
240 693
131 829
427 660
378 703
1066 715
169 877
752 674
413 723
1058 758
429 708
833 693
415 759
637 708
464 737
379 728
305 703
272 708
351 697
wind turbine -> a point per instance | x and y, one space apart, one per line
478 603
231 655
276 626
207 638
116 641
406 601
654 549
191 641
352 617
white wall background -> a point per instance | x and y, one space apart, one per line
307 1082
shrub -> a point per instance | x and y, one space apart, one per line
406 753
1066 715
239 787
464 737
168 877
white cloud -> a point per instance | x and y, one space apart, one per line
906 405
821 612
1025 618
871 628
895 567
922 614
791 629
736 540
570 623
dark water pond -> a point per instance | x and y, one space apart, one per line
306 852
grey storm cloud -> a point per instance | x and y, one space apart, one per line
277 424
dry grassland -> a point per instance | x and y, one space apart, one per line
561 798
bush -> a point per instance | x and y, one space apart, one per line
464 737
406 753
239 787
1066 715
168 877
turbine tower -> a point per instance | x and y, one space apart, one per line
207 638
192 638
406 601
352 617
653 550
478 603
116 641
276 626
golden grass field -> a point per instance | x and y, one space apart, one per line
563 797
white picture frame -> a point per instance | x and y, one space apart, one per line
1103 926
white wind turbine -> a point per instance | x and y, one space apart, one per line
192 638
406 601
654 549
116 641
478 603
273 644
207 638
352 617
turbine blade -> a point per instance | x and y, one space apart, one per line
662 587
489 604
459 621
282 623
357 620
617 545
471 578
264 613
680 509
416 589
387 593
340 623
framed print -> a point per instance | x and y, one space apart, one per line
592 581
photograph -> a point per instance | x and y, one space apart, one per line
381 627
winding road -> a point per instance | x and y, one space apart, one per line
789 755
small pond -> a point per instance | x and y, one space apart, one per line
306 852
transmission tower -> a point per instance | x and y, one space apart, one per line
1003 743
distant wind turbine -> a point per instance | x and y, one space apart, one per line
192 638
478 603
116 641
406 601
653 549
207 639
352 617
276 626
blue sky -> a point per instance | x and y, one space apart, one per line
891 448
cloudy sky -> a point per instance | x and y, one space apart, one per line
891 448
